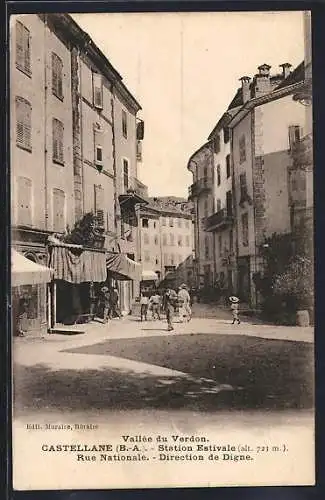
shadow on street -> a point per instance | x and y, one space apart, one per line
227 372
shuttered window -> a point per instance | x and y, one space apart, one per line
125 175
99 205
78 204
57 136
97 91
124 124
23 48
228 166
58 210
24 198
242 149
244 222
57 76
243 186
218 175
23 123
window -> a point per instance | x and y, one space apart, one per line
171 259
157 260
58 211
244 223
231 241
98 144
23 123
226 135
180 240
57 141
171 222
294 135
24 196
146 239
124 124
145 222
156 240
23 45
243 186
228 169
154 224
179 222
187 240
218 175
206 208
57 76
218 205
242 149
205 172
97 91
163 221
171 239
229 203
206 244
146 256
99 205
164 239
216 144
125 175
220 245
98 155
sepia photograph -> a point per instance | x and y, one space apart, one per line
162 262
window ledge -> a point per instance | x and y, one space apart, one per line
23 70
58 162
25 148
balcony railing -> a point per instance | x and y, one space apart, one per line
134 193
200 186
219 220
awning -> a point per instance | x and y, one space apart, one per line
121 267
77 265
26 272
148 275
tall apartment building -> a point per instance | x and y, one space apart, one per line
167 241
243 179
73 131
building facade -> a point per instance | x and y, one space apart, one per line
167 241
73 131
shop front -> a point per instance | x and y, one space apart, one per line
123 273
29 290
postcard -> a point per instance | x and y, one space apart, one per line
161 171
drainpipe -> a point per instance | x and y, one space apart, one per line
45 127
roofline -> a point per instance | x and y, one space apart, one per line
224 120
206 144
83 40
257 101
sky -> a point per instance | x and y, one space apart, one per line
184 69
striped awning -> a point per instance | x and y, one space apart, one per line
120 267
77 265
148 275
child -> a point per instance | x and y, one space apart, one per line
234 309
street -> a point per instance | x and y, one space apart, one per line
206 365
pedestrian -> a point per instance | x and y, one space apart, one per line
184 301
234 309
105 299
144 302
23 305
155 305
170 303
114 304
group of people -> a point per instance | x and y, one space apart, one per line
109 303
170 302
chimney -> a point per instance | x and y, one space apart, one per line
245 88
262 84
286 69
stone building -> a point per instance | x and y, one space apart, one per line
74 142
167 242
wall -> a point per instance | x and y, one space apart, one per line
151 258
25 163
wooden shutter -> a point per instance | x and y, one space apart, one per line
243 185
78 204
97 90
294 135
24 195
23 46
57 75
23 123
242 149
57 143
99 204
58 210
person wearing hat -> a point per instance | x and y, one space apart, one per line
184 301
105 299
234 309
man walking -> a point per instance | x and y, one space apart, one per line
184 301
170 302
106 303
144 302
114 299
155 305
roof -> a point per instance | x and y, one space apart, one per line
179 207
224 120
297 75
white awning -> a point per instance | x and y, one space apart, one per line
26 272
148 275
